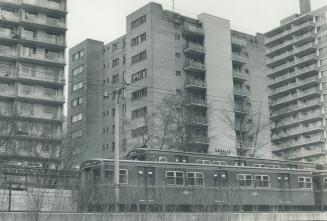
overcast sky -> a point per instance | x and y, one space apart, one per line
104 20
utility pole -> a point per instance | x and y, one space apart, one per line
117 92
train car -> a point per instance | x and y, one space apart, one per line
188 187
222 159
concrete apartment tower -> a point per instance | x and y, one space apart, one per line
296 57
32 61
166 55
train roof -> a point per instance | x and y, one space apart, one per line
137 151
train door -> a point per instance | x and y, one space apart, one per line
146 183
284 183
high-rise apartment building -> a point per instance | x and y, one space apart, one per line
296 54
217 74
32 61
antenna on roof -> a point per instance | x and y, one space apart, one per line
173 6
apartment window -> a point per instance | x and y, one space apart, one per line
139 57
123 176
78 70
115 46
178 55
78 86
219 163
139 39
27 51
115 79
124 110
139 94
325 183
139 75
124 144
262 181
26 89
77 101
140 21
175 177
115 62
178 73
141 131
113 112
113 129
77 117
177 36
195 178
76 134
205 162
113 144
305 182
78 55
138 113
245 180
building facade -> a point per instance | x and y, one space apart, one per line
198 69
296 68
32 61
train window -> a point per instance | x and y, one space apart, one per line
175 177
206 162
220 178
123 176
305 182
273 166
219 163
259 165
262 181
325 182
245 180
162 159
195 178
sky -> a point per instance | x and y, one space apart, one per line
104 20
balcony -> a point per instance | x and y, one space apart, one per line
239 58
194 66
282 89
238 42
307 37
44 40
8 54
36 21
43 58
40 115
42 77
313 68
295 108
305 49
204 140
239 75
195 84
279 59
298 131
284 67
197 121
305 60
242 92
242 109
197 102
292 121
42 97
193 31
9 18
45 5
306 153
280 79
7 92
285 99
277 48
278 36
194 49
301 142
309 92
309 25
7 72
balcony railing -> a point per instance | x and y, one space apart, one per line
199 140
306 69
283 88
197 121
197 102
44 39
305 58
242 92
240 75
193 30
309 91
239 57
239 41
9 17
280 67
194 49
7 92
57 78
279 57
42 96
283 77
196 66
195 83
45 57
42 21
284 99
279 46
305 47
46 4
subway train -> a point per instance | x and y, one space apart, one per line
164 180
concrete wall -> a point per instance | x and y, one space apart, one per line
164 216
219 81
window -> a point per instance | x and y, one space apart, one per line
245 180
195 178
162 159
175 177
259 165
178 73
206 162
124 110
141 131
140 21
139 39
123 176
219 163
305 182
138 113
262 181
139 75
78 70
139 57
76 134
325 183
115 62
115 79
139 94
78 55
77 101
77 117
77 86
177 55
